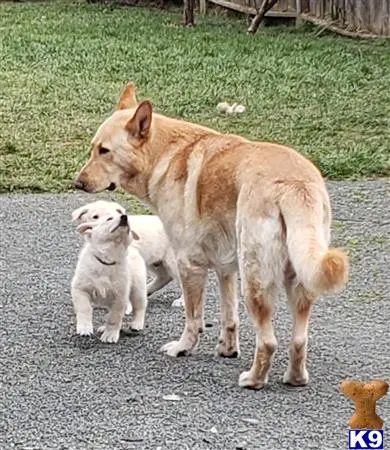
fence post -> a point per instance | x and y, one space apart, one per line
202 6
189 6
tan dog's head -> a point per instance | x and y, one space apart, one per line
117 145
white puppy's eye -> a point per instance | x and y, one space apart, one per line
110 218
95 217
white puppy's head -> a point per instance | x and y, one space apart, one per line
95 211
110 230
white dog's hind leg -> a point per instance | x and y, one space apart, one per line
139 301
129 308
160 278
111 329
83 309
179 302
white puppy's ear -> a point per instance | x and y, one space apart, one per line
84 228
134 235
78 213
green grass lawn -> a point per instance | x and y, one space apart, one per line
62 67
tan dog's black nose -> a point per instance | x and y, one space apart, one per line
79 185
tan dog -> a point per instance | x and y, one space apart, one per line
229 204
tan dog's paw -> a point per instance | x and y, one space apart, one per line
296 379
110 337
84 329
227 349
247 380
177 349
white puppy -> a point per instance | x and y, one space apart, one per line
150 240
108 273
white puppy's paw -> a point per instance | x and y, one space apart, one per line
129 309
84 329
101 329
111 336
178 303
176 349
137 324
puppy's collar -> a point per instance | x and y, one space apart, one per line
104 262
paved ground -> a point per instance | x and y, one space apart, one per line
59 391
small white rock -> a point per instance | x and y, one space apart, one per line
172 397
223 107
253 421
214 430
240 109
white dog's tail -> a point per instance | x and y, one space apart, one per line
306 213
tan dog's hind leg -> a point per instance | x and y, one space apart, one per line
301 303
193 281
228 345
260 303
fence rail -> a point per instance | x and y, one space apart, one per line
361 16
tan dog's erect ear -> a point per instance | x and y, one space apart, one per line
139 124
84 228
127 99
78 213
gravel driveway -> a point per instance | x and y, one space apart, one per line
59 391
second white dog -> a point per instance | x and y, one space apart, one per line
108 273
150 240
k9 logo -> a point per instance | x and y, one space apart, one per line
365 439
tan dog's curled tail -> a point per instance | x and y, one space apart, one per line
333 272
320 269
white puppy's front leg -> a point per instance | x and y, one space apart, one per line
193 280
83 309
111 329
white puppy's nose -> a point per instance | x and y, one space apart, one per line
123 221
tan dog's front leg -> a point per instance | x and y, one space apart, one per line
193 281
228 345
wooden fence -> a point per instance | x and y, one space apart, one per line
348 16
283 8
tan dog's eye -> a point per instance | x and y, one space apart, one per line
110 218
103 150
